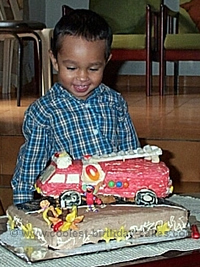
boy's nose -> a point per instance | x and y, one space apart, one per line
82 75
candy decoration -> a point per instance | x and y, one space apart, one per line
45 217
57 226
92 172
111 184
195 232
28 231
162 229
110 234
11 222
121 234
126 184
119 184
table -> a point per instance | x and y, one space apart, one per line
183 252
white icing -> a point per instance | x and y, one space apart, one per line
176 225
147 226
39 234
62 159
150 152
58 178
73 178
86 237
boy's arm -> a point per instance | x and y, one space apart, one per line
32 159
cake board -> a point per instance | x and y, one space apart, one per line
31 251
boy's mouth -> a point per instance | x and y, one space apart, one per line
81 88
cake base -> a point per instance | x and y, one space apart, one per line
123 223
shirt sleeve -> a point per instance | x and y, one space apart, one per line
127 135
32 159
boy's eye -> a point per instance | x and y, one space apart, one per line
94 69
71 68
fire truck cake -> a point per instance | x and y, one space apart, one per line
119 197
138 175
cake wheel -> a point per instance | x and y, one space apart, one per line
69 198
146 197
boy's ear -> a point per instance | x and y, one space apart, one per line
53 60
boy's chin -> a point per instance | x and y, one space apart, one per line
82 95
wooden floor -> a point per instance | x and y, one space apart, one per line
171 122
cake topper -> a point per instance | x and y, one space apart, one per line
58 220
90 198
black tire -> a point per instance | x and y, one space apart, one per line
69 198
146 197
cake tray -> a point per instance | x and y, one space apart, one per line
31 250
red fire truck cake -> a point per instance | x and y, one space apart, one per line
67 185
138 175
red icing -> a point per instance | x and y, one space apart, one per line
195 232
132 174
57 226
139 173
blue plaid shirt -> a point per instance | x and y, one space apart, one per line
58 121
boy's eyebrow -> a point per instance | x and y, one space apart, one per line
74 62
68 61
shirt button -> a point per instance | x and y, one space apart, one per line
95 131
87 105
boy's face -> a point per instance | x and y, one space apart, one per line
80 65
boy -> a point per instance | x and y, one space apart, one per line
78 114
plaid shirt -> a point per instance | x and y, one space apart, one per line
58 121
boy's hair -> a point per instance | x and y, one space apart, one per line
82 23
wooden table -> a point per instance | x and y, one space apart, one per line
172 258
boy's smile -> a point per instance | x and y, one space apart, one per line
80 65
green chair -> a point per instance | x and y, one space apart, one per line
132 23
179 38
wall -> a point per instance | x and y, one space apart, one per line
56 7
49 11
37 10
